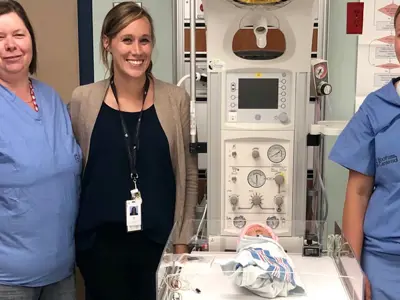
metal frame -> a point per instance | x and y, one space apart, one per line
193 125
323 21
180 38
319 115
174 38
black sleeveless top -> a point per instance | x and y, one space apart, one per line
106 184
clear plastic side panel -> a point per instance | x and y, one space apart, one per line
347 265
258 264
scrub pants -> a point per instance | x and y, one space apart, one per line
120 265
383 272
62 290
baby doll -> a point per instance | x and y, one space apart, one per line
261 265
259 231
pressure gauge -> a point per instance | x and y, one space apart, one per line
276 153
272 222
320 71
256 178
239 222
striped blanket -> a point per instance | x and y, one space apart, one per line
262 266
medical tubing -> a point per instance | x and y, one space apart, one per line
196 237
199 76
183 79
324 198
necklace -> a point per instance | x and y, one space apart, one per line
35 106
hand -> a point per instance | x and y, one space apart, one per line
180 249
367 287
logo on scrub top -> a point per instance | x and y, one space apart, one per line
77 158
386 160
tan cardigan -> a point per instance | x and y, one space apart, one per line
173 110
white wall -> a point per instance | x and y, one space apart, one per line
341 48
163 55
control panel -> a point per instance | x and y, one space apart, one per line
257 184
258 98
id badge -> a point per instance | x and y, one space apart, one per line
134 212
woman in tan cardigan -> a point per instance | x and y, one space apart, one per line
134 133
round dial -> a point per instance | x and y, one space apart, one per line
276 153
273 222
283 117
239 222
326 89
320 71
256 178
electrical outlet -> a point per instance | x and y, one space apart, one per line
355 17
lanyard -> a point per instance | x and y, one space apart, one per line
132 153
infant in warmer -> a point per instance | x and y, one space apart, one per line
261 265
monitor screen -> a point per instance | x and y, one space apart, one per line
260 93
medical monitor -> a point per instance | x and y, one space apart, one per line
258 97
258 93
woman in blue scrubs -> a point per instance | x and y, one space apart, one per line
40 165
369 147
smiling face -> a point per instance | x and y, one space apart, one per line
15 46
131 48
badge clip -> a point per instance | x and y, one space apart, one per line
135 193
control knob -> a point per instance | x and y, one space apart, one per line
283 117
255 154
279 201
279 179
234 200
256 200
324 88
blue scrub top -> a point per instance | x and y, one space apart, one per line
370 144
40 164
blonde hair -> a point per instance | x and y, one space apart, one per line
117 19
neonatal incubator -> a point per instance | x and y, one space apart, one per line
257 150
203 274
